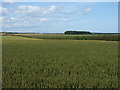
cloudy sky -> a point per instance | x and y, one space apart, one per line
57 17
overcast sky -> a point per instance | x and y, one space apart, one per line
57 17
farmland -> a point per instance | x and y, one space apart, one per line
106 37
48 63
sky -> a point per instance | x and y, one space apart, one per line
58 17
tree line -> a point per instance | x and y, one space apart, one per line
77 32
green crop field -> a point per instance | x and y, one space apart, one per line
106 37
43 63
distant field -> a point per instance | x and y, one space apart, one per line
43 63
107 37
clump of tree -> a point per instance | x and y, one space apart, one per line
77 32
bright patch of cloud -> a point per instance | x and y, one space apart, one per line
27 9
1 19
63 20
68 12
44 19
52 8
35 10
88 10
12 18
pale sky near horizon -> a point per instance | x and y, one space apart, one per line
57 17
